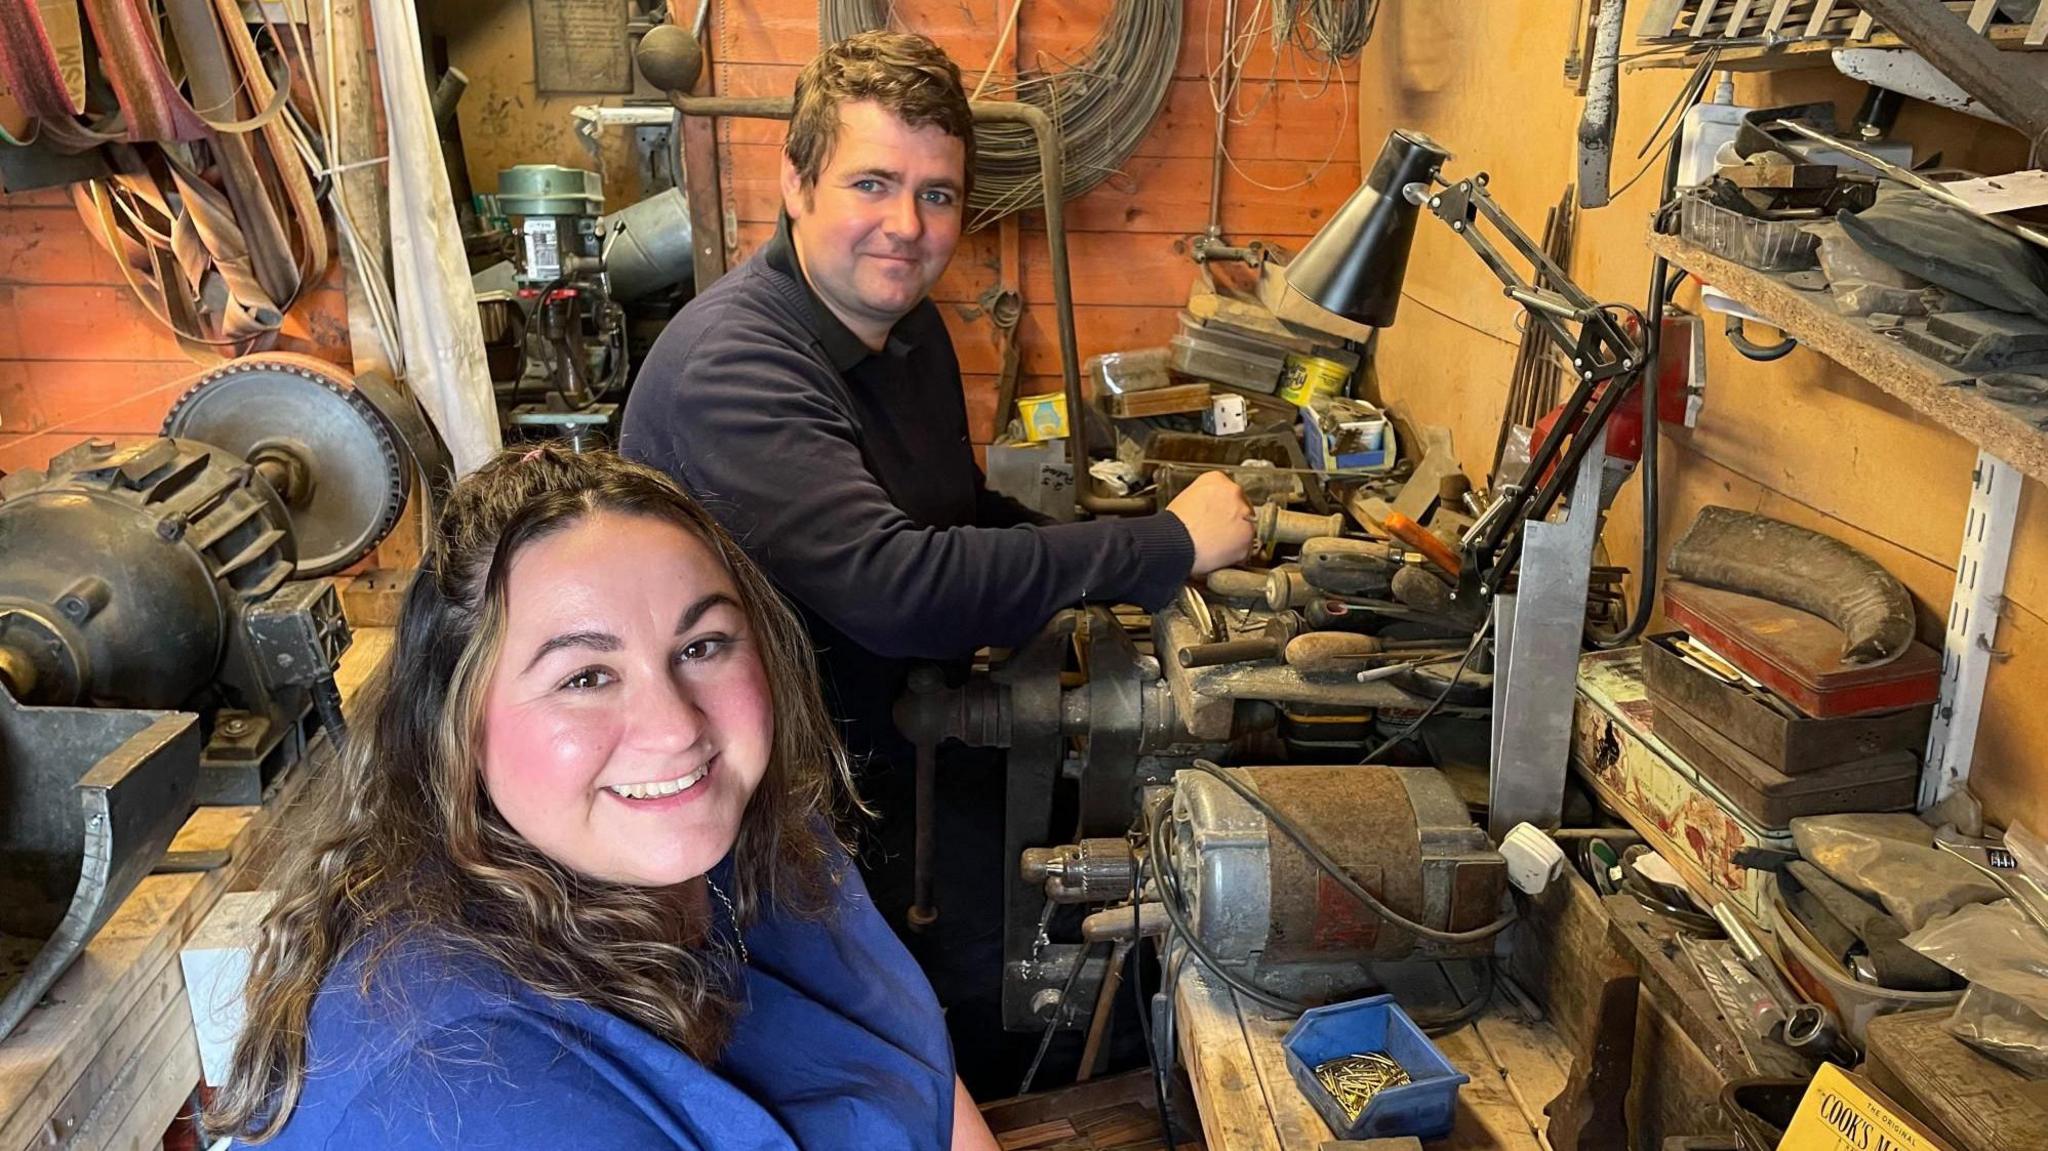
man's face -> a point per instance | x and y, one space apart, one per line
879 227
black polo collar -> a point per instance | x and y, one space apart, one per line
845 349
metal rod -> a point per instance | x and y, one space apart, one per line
1218 152
1098 1020
923 912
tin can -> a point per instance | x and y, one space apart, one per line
1307 377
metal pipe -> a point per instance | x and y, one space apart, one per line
1052 177
1217 152
923 912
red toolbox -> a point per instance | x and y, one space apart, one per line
1799 655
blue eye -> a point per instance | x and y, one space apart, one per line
867 185
939 197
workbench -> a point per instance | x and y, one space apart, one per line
109 1058
1249 1102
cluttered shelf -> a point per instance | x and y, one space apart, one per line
1801 52
1945 395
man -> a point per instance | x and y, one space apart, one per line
812 400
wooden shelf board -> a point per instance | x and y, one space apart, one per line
1928 387
1802 53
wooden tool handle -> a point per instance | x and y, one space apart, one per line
1423 540
1236 583
1330 650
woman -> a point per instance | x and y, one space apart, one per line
574 881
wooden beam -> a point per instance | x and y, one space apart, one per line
354 88
1966 57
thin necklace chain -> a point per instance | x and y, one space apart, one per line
732 913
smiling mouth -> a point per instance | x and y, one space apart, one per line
660 789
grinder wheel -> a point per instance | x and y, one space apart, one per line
357 471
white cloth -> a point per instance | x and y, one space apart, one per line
439 333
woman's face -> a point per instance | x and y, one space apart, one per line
628 720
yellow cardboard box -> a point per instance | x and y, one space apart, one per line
1843 1112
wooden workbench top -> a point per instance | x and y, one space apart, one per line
109 1057
1249 1102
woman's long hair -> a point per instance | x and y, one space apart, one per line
398 836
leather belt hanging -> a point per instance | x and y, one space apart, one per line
217 265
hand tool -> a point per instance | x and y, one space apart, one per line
1271 644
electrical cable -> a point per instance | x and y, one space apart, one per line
1052 1024
1761 353
1102 105
1663 284
1138 994
1415 725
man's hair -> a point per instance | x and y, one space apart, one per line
904 72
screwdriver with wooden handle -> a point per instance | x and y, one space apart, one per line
1346 651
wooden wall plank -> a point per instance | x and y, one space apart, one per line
1129 238
1050 34
79 322
1260 198
1283 121
96 396
49 245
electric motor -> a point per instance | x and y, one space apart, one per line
1261 904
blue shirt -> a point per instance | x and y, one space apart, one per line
840 1044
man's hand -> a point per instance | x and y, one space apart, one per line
1218 519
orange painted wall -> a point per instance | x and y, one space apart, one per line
1128 238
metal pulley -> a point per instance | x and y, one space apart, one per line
340 451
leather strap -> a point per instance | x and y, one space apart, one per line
133 62
216 258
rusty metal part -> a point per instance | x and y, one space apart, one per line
2006 85
1264 906
94 797
1271 644
1274 524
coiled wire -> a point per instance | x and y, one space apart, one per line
1102 105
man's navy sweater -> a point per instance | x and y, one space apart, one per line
848 475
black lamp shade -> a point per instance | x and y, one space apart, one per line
1354 265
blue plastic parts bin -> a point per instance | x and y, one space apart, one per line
1424 1107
